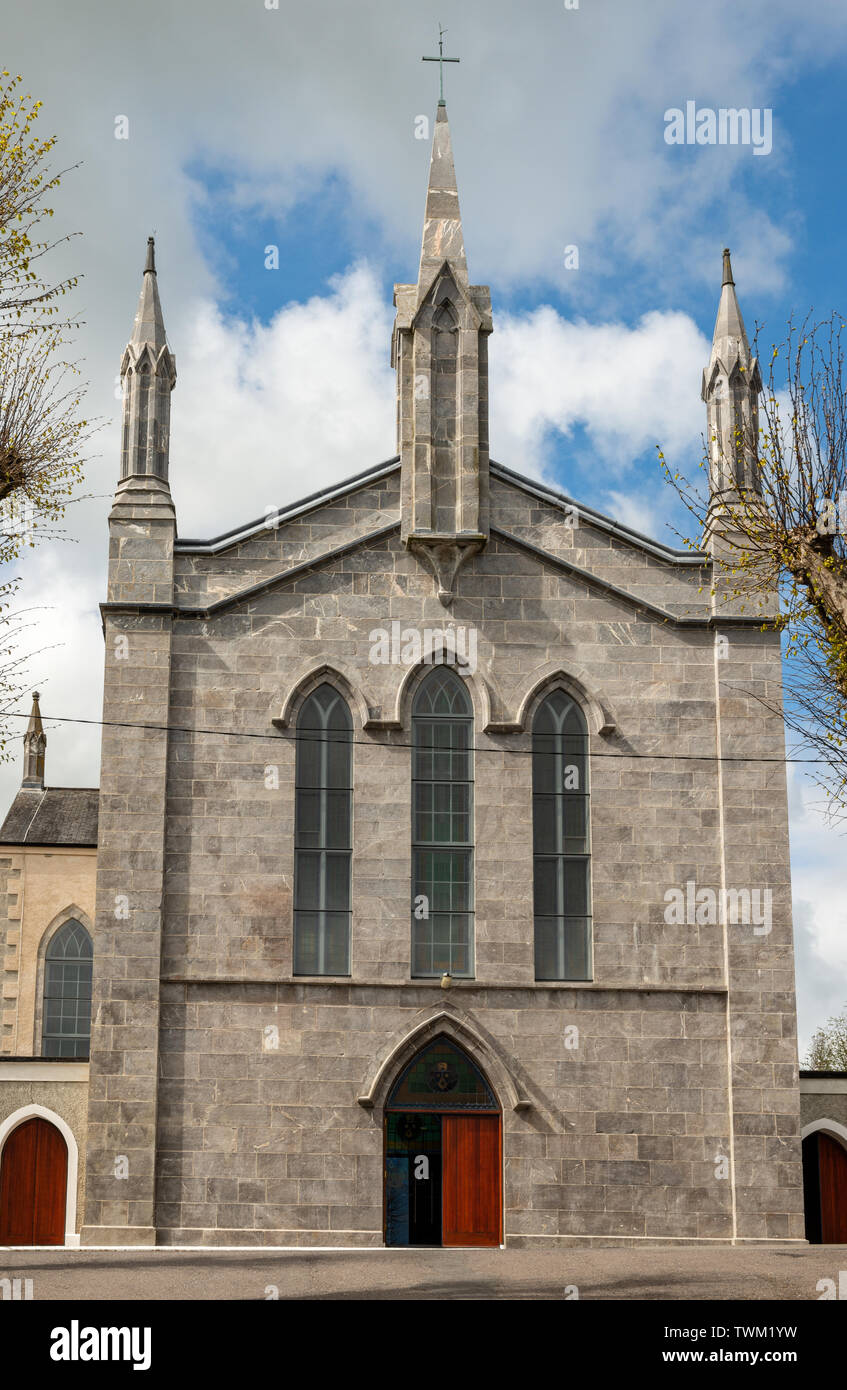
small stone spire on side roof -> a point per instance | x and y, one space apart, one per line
35 745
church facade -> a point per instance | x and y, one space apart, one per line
442 874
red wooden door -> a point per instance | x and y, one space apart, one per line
471 1200
832 1159
33 1185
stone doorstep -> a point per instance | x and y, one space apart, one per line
211 1239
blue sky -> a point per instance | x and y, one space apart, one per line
295 126
328 227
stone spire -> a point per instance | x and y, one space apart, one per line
35 745
443 239
440 352
731 386
148 375
142 522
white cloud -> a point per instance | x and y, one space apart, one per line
649 512
65 665
629 388
278 411
820 906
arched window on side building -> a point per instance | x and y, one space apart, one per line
66 1015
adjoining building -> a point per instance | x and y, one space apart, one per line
48 864
823 1114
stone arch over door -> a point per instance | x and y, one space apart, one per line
825 1181
11 1126
506 1089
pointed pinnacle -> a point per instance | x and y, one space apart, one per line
442 235
727 268
149 325
35 725
729 340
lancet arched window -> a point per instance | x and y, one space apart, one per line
66 1015
442 827
322 835
560 821
441 1077
444 402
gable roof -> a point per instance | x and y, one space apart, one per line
55 816
392 465
288 513
598 519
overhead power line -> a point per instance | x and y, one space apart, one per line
290 735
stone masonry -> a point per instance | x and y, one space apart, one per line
676 1117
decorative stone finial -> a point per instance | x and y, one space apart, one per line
727 268
35 745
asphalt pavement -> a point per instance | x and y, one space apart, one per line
791 1273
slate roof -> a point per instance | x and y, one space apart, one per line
289 511
55 816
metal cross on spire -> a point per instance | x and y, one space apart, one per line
441 60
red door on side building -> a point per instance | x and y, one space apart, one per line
33 1185
832 1159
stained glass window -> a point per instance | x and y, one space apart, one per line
66 1030
322 835
442 827
560 822
440 1077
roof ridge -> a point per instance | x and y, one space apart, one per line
242 532
606 522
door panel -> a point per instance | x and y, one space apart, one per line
17 1185
471 1195
412 1179
424 1199
812 1188
33 1185
833 1189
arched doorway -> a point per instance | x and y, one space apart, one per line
33 1185
825 1188
443 1152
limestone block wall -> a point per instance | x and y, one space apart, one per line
127 945
206 578
687 1056
11 864
620 1141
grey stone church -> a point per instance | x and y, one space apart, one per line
442 873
